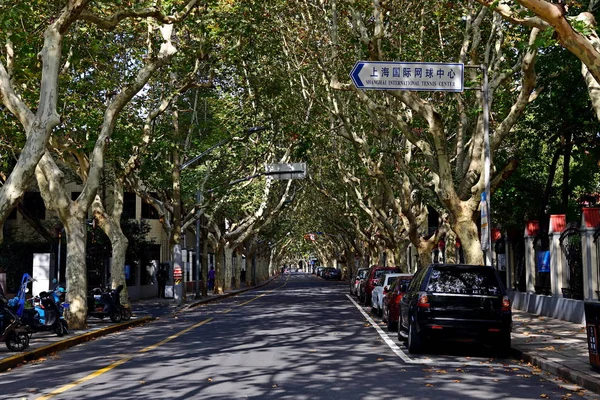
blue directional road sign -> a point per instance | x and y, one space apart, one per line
390 75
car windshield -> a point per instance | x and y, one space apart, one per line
480 281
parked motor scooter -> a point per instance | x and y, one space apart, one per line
101 304
47 313
12 332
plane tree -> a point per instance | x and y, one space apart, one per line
29 89
99 25
442 133
572 25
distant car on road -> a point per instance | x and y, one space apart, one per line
332 273
455 301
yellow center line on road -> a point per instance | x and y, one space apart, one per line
176 335
101 371
85 378
117 363
251 300
266 293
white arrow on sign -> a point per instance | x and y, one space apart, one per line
390 75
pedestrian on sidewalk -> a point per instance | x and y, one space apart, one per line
211 278
161 278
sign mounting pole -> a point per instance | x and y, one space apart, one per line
487 162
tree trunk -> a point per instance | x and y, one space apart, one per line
219 270
117 269
402 264
110 225
450 248
263 271
390 258
237 271
228 268
424 250
204 265
76 272
568 146
466 230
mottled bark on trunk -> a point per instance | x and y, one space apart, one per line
228 268
450 248
402 262
117 269
219 270
204 265
469 239
237 271
76 273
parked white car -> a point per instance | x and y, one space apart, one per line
383 285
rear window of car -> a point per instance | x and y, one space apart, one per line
404 281
380 272
475 281
392 279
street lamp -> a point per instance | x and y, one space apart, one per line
185 165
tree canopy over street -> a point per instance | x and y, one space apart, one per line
120 95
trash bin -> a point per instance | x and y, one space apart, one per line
592 321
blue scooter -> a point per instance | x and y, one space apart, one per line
47 313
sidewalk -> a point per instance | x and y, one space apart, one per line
555 346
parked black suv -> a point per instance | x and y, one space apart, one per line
455 301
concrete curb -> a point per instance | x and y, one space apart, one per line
568 374
34 354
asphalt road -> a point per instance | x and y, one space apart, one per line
298 338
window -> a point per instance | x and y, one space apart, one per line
33 205
129 201
460 281
149 212
415 283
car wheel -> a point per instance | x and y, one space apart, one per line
415 342
384 313
400 336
